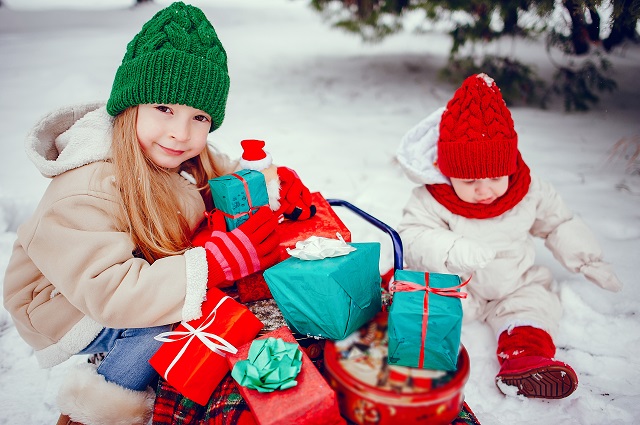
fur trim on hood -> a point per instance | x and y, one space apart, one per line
418 151
70 137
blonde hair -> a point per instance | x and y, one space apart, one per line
149 208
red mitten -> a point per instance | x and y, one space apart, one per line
295 198
251 247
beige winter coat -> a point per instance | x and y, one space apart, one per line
72 271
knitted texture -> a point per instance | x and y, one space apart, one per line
523 341
176 58
477 137
519 183
247 249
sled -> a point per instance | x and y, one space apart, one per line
359 404
370 391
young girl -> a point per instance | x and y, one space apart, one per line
475 213
105 263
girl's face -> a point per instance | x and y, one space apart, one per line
482 191
171 134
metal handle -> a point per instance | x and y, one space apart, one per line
395 237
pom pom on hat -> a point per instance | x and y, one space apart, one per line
477 136
254 156
176 58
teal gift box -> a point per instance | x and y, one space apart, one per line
440 319
328 298
237 193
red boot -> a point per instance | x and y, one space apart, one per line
526 357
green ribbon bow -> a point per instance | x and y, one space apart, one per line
272 364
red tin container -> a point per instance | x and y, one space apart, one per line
437 403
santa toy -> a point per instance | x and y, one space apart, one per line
287 195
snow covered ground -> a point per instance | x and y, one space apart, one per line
335 109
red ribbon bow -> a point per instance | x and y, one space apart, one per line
406 286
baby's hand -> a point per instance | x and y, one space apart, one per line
467 256
602 274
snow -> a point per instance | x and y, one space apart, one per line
335 109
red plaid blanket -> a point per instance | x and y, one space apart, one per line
226 407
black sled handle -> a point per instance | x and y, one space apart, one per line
395 237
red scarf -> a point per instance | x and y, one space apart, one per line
518 188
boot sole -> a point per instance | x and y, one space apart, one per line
553 382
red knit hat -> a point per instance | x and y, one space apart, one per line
254 157
477 136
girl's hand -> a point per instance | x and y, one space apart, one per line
251 247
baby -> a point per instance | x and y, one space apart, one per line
476 212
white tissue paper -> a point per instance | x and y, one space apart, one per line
317 248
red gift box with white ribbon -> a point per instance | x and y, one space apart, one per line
193 356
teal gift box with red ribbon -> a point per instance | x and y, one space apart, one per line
238 195
425 320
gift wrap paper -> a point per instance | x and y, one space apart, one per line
324 223
273 364
329 298
230 195
311 402
187 363
443 327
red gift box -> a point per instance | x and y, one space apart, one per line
325 223
311 402
192 358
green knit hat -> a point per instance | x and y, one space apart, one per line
176 58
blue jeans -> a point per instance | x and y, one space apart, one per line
127 355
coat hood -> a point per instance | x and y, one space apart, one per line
70 137
418 151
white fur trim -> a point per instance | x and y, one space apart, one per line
78 337
258 165
69 138
418 151
273 191
517 323
197 276
86 397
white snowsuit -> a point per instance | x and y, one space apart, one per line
506 288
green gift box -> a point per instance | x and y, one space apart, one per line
425 332
238 195
328 298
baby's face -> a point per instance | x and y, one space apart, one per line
481 191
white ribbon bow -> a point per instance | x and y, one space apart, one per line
317 248
205 337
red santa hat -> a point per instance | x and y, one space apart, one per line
477 135
254 156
